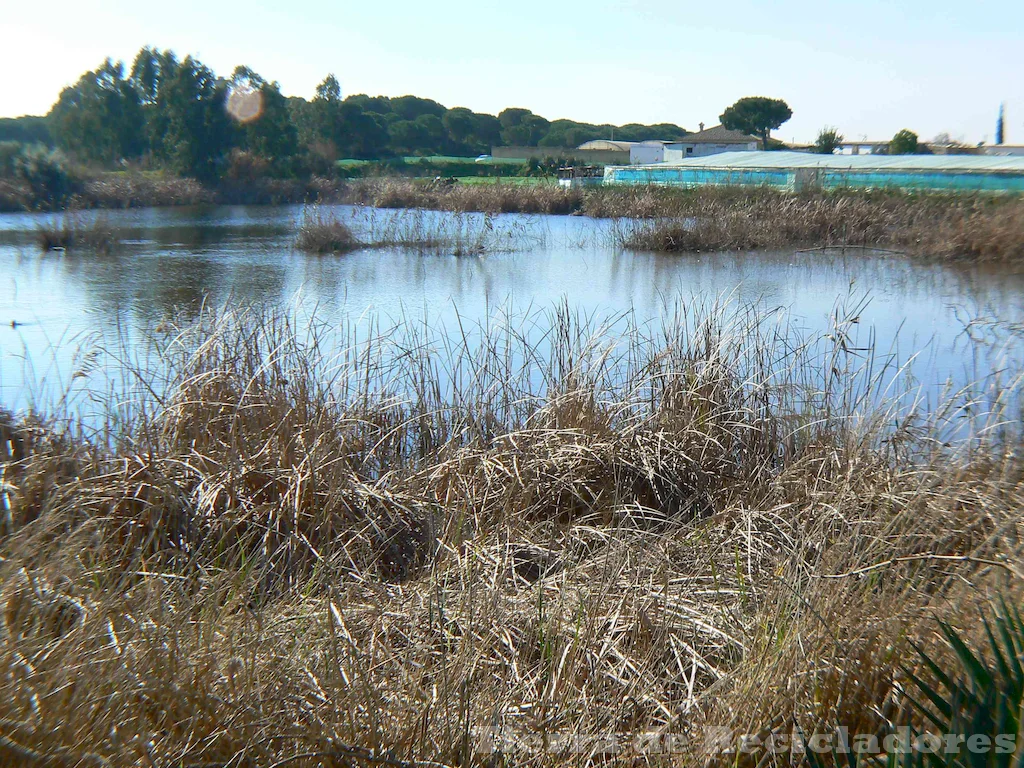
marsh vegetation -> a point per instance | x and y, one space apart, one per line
326 230
944 226
292 548
74 231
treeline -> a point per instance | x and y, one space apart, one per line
177 114
30 129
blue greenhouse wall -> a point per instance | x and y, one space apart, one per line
797 178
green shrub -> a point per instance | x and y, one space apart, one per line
427 168
9 151
903 143
47 181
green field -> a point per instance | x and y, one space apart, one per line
435 159
430 166
512 180
452 159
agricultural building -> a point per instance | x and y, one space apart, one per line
710 142
797 171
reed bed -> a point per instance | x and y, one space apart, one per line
939 226
72 231
131 190
652 218
487 198
299 548
322 230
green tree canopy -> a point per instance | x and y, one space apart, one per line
100 117
318 121
828 141
369 134
412 107
406 136
29 129
198 131
520 127
486 131
458 124
152 71
568 133
380 105
269 131
433 133
329 90
667 131
513 116
756 115
903 143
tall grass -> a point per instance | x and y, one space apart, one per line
322 230
488 198
945 226
940 226
970 703
304 548
72 231
131 190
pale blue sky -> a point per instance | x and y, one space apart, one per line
869 68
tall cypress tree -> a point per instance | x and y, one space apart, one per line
999 125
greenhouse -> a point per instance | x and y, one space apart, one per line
796 171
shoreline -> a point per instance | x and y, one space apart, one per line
267 545
945 226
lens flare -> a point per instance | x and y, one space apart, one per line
245 104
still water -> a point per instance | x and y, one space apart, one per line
55 306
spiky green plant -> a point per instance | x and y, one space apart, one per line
980 697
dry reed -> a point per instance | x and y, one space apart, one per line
936 226
945 226
319 232
71 231
304 550
322 230
488 198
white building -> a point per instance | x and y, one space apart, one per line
647 152
640 152
710 142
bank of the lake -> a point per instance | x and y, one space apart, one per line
973 226
262 506
294 543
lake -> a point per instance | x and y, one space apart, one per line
173 261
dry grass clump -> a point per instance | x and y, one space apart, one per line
72 231
457 234
132 190
655 218
760 224
651 201
291 555
323 231
320 232
984 230
942 226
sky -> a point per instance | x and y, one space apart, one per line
868 68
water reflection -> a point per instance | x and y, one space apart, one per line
176 260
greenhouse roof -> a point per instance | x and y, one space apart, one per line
780 160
